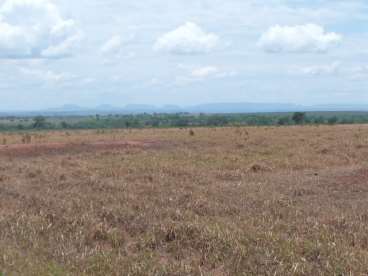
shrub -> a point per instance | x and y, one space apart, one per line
333 120
26 139
39 122
299 117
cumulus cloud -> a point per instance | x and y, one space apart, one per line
35 29
187 39
301 38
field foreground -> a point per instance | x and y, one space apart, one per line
220 201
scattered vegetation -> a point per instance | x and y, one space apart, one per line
181 120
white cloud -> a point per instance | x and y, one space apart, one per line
301 38
113 45
88 80
318 70
46 76
187 39
359 73
350 72
192 74
35 29
113 49
204 72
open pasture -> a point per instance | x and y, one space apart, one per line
207 201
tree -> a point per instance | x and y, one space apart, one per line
284 121
333 120
319 120
64 124
39 122
299 117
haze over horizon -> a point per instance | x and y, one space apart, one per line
92 53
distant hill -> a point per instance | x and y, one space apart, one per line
243 108
211 108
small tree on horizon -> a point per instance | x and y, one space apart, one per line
39 122
299 117
284 121
333 120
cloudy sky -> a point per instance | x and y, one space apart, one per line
183 52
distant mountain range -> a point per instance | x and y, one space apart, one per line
219 108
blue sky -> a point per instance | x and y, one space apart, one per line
183 52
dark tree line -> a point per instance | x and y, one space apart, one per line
181 120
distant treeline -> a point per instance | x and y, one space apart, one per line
182 120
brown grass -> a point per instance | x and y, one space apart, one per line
222 201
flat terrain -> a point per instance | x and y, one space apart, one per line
219 201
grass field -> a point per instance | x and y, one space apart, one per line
219 201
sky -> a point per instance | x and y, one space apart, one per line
182 52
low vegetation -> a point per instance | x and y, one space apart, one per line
200 201
181 120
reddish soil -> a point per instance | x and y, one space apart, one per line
355 181
24 150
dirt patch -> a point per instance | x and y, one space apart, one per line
340 184
30 150
355 181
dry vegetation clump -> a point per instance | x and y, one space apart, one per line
174 204
26 138
258 168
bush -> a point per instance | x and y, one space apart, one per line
39 122
284 121
333 120
299 117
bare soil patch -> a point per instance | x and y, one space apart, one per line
31 150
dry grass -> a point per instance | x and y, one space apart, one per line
230 201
